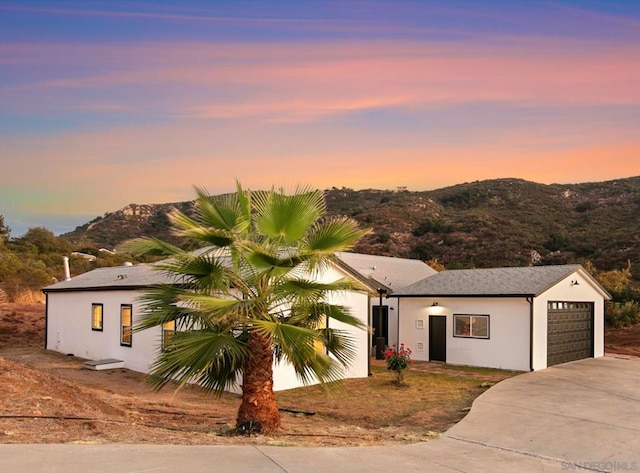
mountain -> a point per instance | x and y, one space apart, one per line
499 222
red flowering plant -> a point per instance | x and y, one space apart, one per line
398 360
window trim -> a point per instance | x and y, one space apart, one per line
94 327
122 326
470 316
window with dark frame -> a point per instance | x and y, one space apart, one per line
471 326
96 317
126 320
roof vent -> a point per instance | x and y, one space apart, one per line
121 276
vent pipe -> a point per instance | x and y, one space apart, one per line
67 273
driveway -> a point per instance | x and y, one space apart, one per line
581 416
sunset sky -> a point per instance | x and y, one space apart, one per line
106 103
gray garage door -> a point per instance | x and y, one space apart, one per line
569 331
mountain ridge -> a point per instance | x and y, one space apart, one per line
496 222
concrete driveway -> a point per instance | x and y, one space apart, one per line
581 416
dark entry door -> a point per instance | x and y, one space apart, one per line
380 331
437 338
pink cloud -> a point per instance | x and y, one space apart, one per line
285 82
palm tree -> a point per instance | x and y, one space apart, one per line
250 295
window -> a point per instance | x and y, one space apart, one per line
471 326
125 325
318 345
168 330
96 317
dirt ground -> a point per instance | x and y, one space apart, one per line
47 397
623 341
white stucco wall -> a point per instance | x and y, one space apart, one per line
584 291
358 303
508 343
69 328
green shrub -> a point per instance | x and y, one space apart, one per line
618 314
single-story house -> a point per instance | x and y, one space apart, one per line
525 318
91 315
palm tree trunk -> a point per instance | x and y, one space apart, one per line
258 411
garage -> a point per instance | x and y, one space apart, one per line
569 331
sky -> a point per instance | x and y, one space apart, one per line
107 103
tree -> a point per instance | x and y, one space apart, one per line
5 231
249 295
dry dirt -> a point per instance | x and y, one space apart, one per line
623 341
47 397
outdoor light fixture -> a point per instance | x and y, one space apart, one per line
435 304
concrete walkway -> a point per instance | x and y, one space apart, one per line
582 416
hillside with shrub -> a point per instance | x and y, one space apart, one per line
500 222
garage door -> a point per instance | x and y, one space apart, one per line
569 331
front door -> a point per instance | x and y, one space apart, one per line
437 338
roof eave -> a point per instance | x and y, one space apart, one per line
463 295
96 288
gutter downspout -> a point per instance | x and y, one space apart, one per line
369 335
46 318
398 323
530 301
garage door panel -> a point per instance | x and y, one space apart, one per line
569 332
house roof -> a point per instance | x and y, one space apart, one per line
113 278
374 271
529 281
385 272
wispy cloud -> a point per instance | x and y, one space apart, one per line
287 82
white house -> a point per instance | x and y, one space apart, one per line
387 275
522 319
91 315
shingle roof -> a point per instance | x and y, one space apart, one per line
115 277
389 272
375 271
524 281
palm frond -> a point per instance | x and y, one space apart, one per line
335 234
299 346
224 213
201 270
341 345
185 226
150 246
286 218
209 358
302 290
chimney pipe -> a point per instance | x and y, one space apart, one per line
67 273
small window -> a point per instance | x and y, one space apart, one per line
471 326
96 317
318 345
168 330
126 320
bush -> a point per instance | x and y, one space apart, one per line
622 314
398 360
29 296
